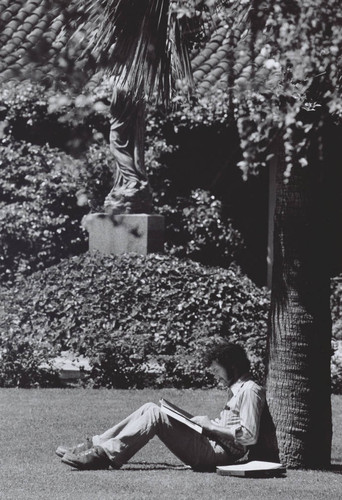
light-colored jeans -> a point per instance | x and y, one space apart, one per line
123 440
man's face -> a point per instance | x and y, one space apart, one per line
222 374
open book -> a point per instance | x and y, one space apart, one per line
179 414
255 468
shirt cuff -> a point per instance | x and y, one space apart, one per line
243 436
238 433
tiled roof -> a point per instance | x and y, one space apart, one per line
210 64
32 39
33 42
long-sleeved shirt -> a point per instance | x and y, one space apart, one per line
242 413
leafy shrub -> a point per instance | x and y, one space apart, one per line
96 176
198 224
25 363
140 320
197 229
39 214
35 114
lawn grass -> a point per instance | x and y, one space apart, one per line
34 422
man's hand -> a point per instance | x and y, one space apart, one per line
203 421
213 430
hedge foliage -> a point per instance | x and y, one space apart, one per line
39 214
41 116
140 320
197 229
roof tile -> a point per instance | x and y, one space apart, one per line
4 4
24 24
217 73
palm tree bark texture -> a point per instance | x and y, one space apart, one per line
299 343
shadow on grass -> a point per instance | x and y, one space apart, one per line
154 466
144 466
139 466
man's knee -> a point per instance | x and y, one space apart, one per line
153 411
149 407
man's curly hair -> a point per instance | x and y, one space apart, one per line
228 354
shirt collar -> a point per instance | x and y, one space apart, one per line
239 383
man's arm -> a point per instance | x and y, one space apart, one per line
214 431
246 430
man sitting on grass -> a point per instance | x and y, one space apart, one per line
224 440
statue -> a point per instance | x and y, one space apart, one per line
128 224
131 193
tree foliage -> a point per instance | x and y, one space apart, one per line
284 76
284 71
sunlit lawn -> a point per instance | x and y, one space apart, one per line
34 422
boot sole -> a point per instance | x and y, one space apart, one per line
79 466
60 452
71 463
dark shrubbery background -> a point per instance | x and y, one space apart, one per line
57 140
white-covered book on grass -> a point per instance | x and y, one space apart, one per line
178 414
256 468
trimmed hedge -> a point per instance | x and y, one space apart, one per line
141 320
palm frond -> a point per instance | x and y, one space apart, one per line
142 42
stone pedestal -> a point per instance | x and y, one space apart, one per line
117 234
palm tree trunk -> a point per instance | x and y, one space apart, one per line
299 346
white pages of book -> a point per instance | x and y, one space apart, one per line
179 414
254 467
